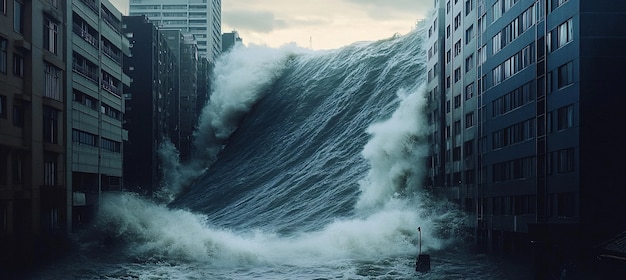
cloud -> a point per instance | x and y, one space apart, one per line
385 9
259 21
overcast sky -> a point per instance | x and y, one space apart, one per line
322 24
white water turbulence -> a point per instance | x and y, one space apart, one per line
240 78
317 162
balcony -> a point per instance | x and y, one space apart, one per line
85 35
110 87
112 54
85 71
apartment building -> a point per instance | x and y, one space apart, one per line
524 95
201 18
34 193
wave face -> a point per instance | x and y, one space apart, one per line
300 157
315 169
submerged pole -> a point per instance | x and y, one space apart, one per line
422 264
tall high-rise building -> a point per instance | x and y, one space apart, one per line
35 198
96 48
201 18
152 68
229 40
524 95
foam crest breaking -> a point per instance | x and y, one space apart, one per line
395 152
240 78
153 232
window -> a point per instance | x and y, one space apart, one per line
3 7
85 138
497 42
457 74
469 62
457 48
468 147
111 146
457 21
52 79
3 106
482 55
469 91
448 31
448 7
50 125
566 33
497 10
457 101
469 119
448 56
18 115
17 17
565 75
50 169
3 55
50 36
448 106
456 154
566 160
457 127
468 6
469 34
18 66
565 117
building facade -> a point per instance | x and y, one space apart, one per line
522 94
96 48
201 18
229 40
152 68
61 112
34 194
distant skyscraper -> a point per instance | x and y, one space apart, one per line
229 40
202 18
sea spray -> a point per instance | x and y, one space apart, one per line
396 152
240 78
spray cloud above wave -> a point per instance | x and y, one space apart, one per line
241 77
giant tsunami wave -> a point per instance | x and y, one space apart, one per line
303 159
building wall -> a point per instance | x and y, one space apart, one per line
95 140
532 161
200 18
33 190
151 68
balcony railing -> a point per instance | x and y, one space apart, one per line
85 35
110 53
91 4
108 86
110 20
85 71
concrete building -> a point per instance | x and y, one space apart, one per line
95 134
185 107
229 40
35 199
524 95
201 18
152 68
61 143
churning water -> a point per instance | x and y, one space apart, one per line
308 166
